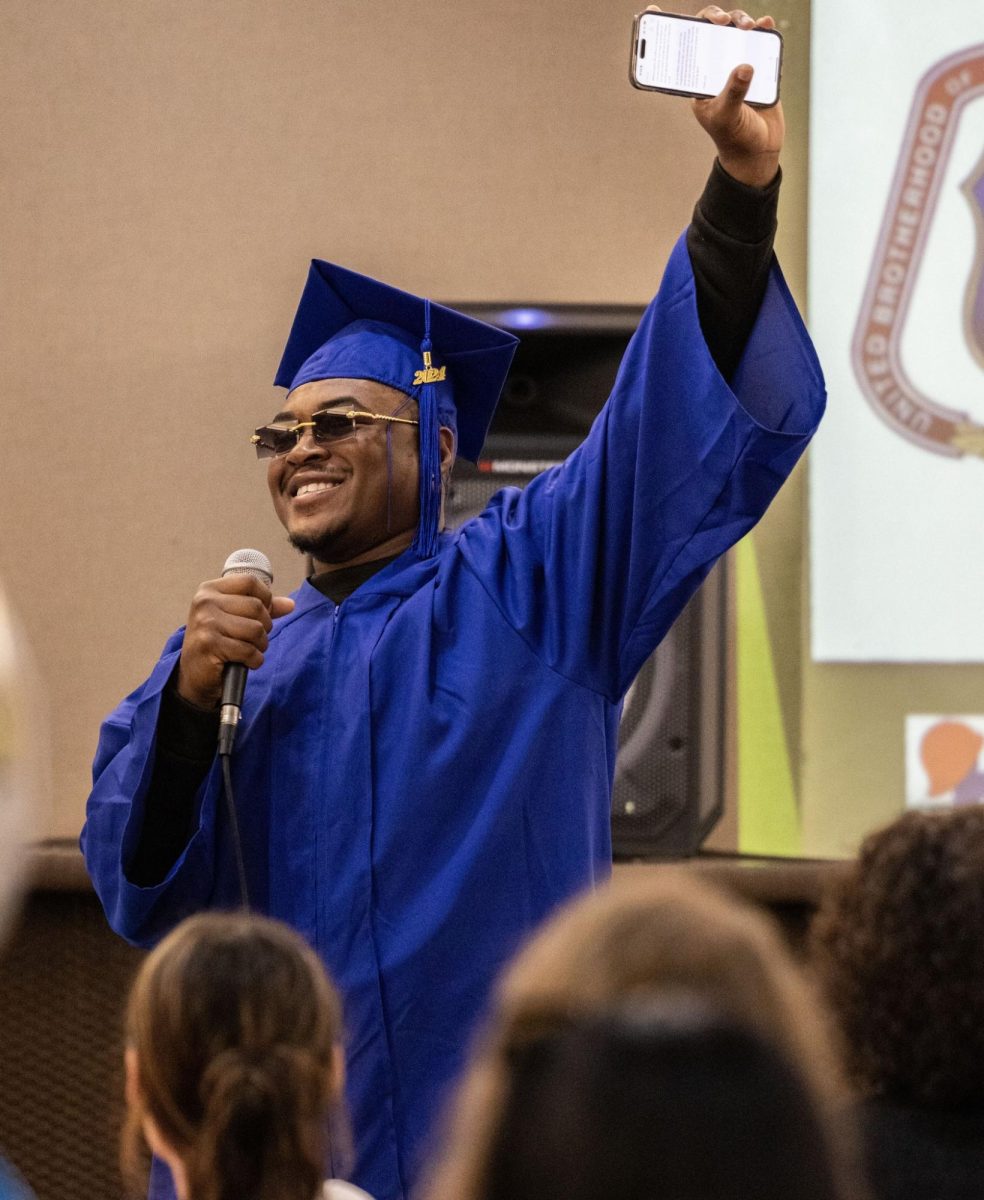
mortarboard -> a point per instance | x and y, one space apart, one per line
349 326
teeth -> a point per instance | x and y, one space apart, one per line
308 489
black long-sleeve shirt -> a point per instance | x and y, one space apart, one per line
730 242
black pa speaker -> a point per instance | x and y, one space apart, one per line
669 783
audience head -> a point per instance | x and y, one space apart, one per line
665 931
897 947
650 937
233 1066
657 1097
23 761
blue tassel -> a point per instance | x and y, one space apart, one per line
425 541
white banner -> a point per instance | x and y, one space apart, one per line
897 313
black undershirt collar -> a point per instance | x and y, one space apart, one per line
339 585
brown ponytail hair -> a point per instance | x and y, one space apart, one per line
234 1025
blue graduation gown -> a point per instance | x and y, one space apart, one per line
423 772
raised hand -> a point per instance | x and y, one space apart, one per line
748 140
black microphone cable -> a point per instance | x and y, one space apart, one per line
237 844
240 562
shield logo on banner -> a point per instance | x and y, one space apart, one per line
923 419
974 307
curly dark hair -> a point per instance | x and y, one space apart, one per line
897 946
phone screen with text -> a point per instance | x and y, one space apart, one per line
695 57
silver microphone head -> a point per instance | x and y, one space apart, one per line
249 562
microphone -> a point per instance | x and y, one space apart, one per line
240 562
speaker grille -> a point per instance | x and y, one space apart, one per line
63 983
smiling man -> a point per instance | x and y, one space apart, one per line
358 503
424 764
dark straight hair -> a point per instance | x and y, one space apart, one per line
658 1098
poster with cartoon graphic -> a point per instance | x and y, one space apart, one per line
943 761
896 307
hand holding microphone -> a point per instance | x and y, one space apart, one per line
227 630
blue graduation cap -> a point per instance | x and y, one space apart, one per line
349 326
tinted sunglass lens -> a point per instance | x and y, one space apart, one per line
272 442
329 427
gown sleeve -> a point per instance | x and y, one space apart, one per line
186 744
122 772
594 560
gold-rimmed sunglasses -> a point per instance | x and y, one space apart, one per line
274 441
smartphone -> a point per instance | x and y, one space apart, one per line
687 56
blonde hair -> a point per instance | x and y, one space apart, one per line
664 933
234 1023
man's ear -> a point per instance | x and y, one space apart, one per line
446 442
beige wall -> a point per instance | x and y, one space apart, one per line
170 169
